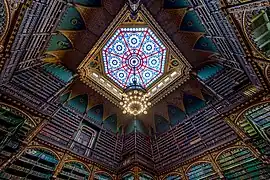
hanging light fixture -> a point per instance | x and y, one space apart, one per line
135 99
135 102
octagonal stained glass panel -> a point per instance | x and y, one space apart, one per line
134 54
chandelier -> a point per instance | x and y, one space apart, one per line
135 99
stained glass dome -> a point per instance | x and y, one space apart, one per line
134 54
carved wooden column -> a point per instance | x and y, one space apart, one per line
184 176
59 166
216 166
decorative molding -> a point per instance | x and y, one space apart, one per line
172 78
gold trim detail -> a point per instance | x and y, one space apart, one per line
173 77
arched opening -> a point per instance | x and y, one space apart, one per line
73 171
254 121
201 170
34 163
240 163
102 176
15 126
128 176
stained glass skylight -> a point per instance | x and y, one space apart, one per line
134 53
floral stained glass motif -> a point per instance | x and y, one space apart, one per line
134 54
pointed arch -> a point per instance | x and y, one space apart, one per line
128 176
208 71
59 42
79 103
193 104
145 176
64 97
176 115
96 113
111 123
191 23
205 44
161 124
136 124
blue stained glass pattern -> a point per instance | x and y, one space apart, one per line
134 53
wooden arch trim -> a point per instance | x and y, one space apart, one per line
246 109
172 173
28 117
42 148
197 163
235 147
102 172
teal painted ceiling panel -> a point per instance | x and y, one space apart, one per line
191 23
58 71
161 123
136 124
193 104
208 71
79 103
59 42
111 123
64 97
71 20
205 44
176 115
96 113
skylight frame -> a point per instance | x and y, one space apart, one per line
165 84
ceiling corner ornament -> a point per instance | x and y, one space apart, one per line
134 59
4 21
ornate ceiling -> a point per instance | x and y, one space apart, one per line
79 59
79 55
